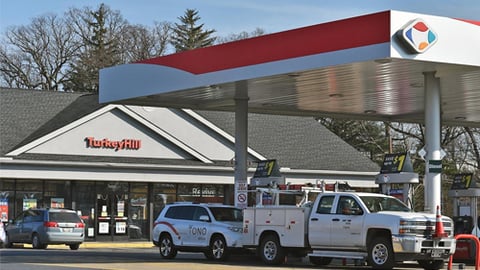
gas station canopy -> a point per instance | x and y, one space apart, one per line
368 67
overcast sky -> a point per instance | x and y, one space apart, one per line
235 16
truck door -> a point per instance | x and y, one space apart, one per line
320 222
347 223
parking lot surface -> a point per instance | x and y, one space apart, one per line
144 256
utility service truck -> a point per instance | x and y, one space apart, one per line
366 227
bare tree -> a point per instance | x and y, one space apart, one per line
242 35
139 42
36 56
461 144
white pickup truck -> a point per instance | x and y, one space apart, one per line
366 227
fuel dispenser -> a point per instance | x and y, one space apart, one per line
465 192
396 177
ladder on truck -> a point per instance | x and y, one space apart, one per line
273 195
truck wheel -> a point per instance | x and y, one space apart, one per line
431 264
380 253
270 250
167 250
320 261
218 249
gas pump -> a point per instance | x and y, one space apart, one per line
267 175
396 177
465 192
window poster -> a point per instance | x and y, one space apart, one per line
103 227
57 202
120 208
4 210
120 227
29 203
90 232
104 211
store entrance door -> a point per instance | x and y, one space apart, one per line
112 216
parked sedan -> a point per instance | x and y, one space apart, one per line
43 227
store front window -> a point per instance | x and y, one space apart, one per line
138 227
83 200
56 193
163 193
28 195
7 192
202 193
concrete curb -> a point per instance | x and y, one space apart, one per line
117 245
97 245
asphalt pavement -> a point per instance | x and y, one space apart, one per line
150 245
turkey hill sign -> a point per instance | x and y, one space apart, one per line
125 144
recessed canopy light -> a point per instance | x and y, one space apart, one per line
416 85
336 95
383 61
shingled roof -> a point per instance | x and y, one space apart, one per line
296 142
23 112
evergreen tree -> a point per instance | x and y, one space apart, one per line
189 34
100 49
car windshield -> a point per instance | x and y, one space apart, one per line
227 214
376 204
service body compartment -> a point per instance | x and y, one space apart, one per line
289 222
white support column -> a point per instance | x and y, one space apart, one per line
241 143
433 176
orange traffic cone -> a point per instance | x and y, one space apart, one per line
439 232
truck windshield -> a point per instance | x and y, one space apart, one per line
227 214
377 204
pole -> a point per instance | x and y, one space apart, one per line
433 157
241 143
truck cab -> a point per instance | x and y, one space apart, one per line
378 228
367 227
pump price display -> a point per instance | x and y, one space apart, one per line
393 163
266 168
462 181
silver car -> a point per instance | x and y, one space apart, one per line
215 230
43 227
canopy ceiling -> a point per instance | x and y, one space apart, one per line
364 67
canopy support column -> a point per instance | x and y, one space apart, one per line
241 143
433 157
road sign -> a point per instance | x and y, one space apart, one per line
241 192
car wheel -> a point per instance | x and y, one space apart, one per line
380 253
431 264
218 248
36 243
270 250
167 249
6 242
320 261
74 246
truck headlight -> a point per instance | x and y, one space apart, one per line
406 226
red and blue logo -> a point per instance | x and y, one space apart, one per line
418 36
